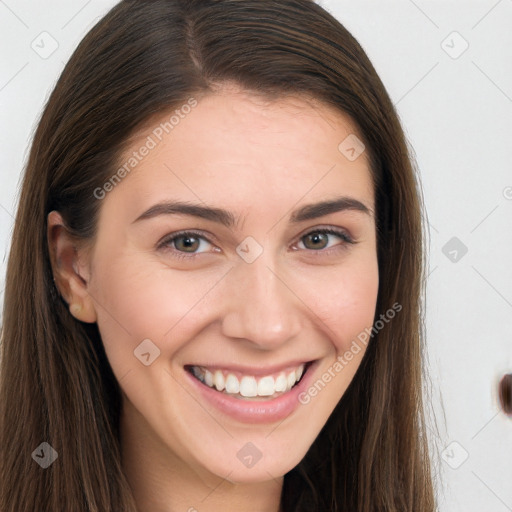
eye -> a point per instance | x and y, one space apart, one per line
320 239
186 242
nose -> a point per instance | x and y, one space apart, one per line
262 309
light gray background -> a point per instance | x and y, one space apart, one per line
455 105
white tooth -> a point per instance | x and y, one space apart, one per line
298 372
266 386
290 381
281 382
218 379
208 378
232 384
248 387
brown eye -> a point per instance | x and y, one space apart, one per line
186 243
316 241
324 238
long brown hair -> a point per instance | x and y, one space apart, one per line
147 57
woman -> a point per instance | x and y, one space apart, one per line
213 291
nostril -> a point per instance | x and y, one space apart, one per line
505 393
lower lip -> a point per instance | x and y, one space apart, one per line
261 411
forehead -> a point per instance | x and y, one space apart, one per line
242 150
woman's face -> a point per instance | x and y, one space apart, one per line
212 269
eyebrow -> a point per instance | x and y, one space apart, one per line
226 218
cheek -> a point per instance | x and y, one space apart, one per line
343 298
137 299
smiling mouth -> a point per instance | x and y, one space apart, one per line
249 387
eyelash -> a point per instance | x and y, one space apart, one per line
165 243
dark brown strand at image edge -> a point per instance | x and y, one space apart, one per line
505 392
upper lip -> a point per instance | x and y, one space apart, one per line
252 370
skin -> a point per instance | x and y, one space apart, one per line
260 160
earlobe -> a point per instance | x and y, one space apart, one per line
82 307
64 258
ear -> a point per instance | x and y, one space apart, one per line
71 275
